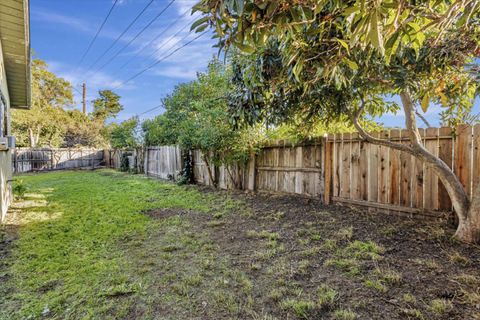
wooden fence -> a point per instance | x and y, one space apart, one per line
163 162
43 159
380 177
343 168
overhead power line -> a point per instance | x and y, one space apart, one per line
170 38
96 34
150 110
135 37
154 39
157 62
121 35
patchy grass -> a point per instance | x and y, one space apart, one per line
107 245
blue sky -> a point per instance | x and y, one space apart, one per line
62 30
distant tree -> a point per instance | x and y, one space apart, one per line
125 134
107 105
42 124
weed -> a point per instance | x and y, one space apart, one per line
389 276
456 257
264 234
429 263
409 298
349 266
388 231
344 314
304 266
367 250
329 244
327 297
345 233
412 313
19 189
310 252
301 308
376 284
440 306
467 279
471 297
315 237
276 294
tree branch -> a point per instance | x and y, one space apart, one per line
371 139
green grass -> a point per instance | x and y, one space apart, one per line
83 244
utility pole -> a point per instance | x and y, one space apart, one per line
84 96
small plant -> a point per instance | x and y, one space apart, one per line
440 306
349 266
344 314
301 308
389 276
124 163
303 266
19 189
368 250
345 233
412 313
329 244
327 297
456 257
376 284
409 298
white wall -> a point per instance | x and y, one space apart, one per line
5 156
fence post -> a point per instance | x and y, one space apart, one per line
251 172
327 195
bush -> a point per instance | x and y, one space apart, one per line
19 189
124 163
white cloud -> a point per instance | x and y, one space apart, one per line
47 16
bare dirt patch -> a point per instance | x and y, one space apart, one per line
307 260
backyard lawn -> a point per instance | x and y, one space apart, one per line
109 245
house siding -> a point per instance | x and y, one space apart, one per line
5 156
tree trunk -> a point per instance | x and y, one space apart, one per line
31 138
209 170
468 216
468 229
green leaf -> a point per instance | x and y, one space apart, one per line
375 35
245 48
443 99
350 10
343 43
352 64
198 22
425 102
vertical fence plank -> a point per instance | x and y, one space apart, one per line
355 167
395 170
383 174
463 158
373 171
445 153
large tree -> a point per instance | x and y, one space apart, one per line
42 124
348 55
107 105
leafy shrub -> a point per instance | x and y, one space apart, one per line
19 189
124 163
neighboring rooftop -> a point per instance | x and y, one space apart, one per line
15 38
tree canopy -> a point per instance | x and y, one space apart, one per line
343 57
53 122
